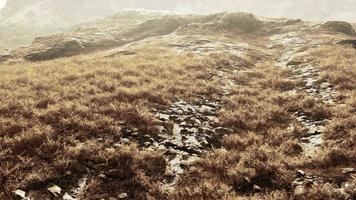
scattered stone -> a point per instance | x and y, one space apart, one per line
102 176
135 134
125 141
348 170
301 173
67 197
257 188
222 130
123 196
55 190
163 117
117 145
20 193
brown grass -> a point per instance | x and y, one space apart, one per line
59 121
258 161
339 68
52 113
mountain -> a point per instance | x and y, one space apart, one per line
22 20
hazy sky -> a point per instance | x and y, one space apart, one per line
318 10
2 3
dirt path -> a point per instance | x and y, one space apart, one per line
294 46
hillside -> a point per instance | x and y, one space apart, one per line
18 17
150 105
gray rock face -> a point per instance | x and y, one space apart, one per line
339 26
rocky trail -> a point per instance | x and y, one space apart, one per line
294 50
189 128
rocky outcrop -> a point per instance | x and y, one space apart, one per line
126 28
340 27
61 45
244 22
156 27
351 42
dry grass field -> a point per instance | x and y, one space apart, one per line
217 108
53 113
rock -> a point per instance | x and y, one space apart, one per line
102 176
301 173
67 197
244 22
55 190
348 42
64 45
339 26
125 141
222 130
20 193
163 117
135 133
134 129
257 188
118 145
123 195
292 21
294 62
348 170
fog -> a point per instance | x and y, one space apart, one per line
315 10
2 3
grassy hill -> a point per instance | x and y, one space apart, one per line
144 105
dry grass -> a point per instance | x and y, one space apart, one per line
338 66
52 114
260 159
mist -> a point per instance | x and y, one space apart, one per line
320 10
2 3
305 9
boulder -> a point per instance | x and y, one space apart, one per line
245 22
53 47
340 27
292 21
64 45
